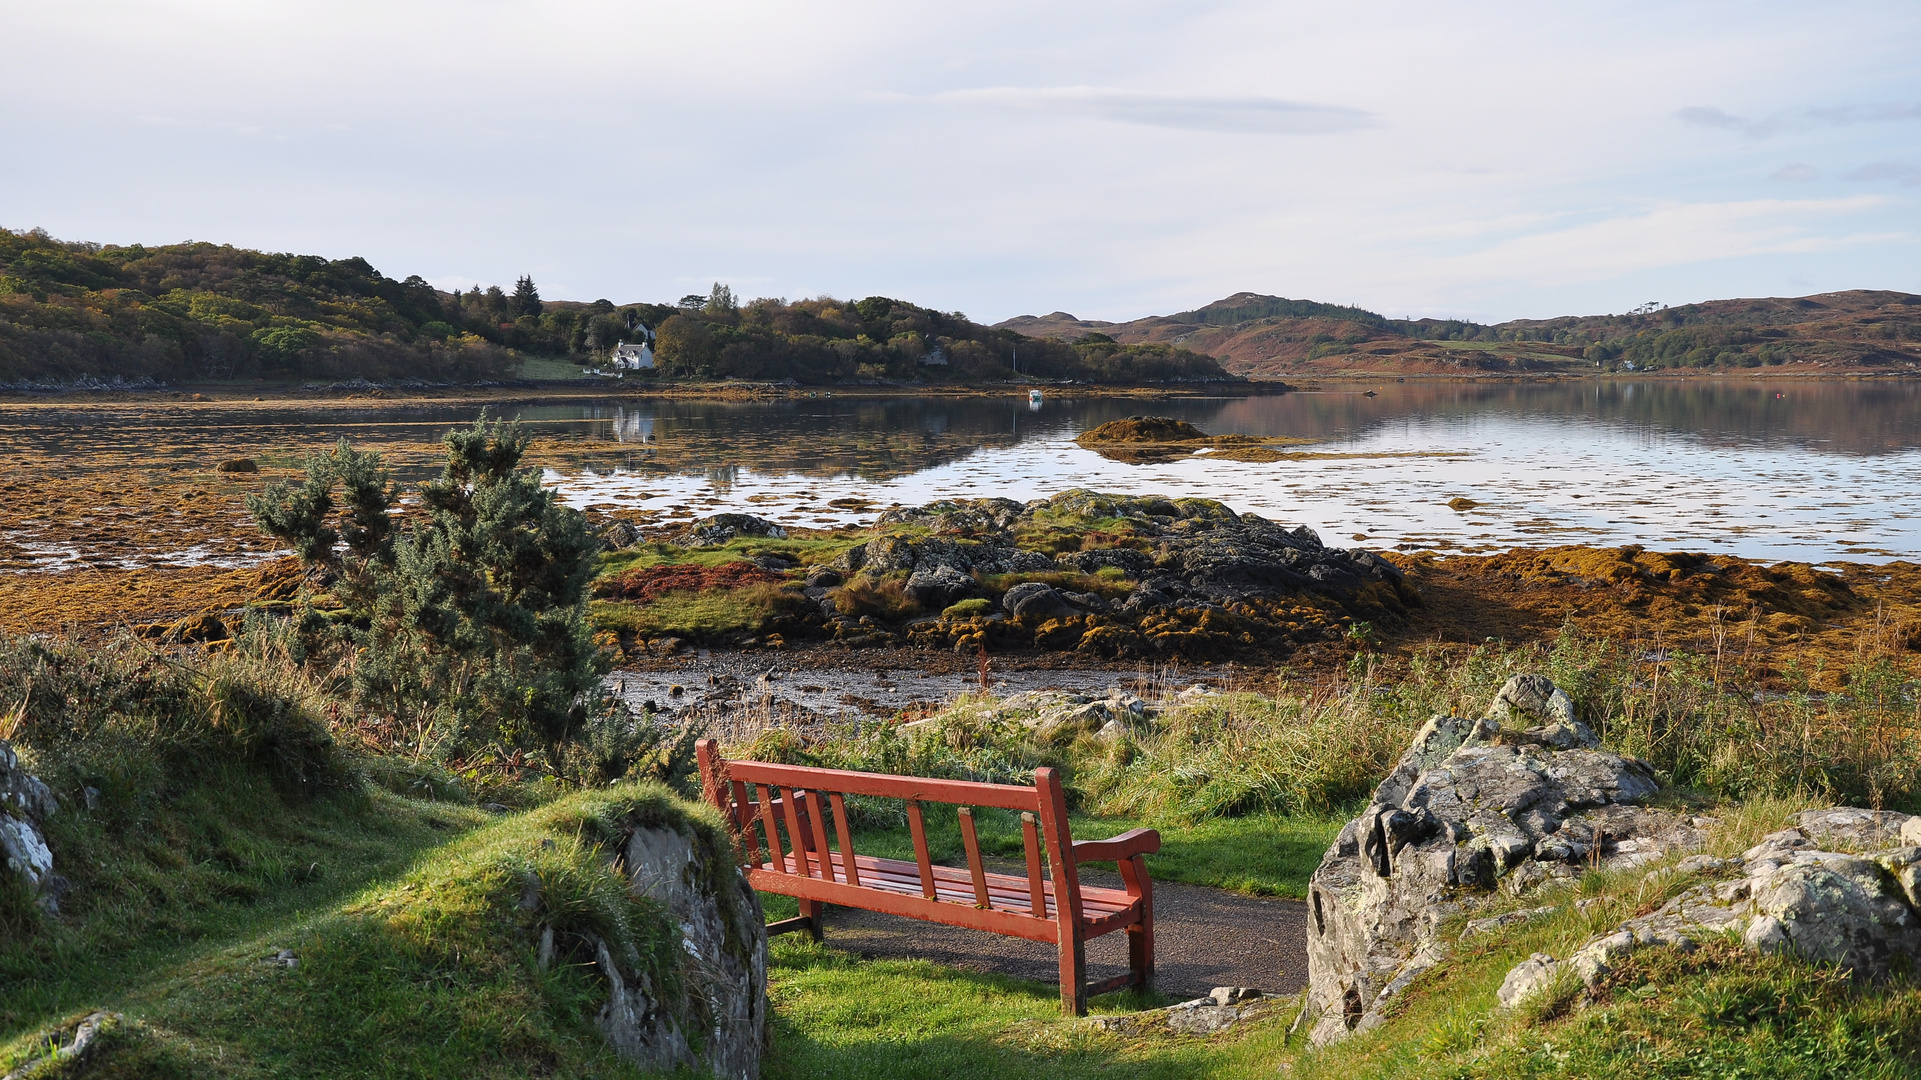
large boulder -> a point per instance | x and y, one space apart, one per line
1471 807
25 805
720 528
939 587
1035 600
1859 911
724 971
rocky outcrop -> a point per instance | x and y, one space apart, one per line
1856 910
1179 577
25 805
1511 801
720 528
719 1025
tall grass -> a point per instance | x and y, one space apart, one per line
1294 746
128 720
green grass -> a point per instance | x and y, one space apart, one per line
229 861
842 1017
808 551
1719 1011
548 369
686 613
417 972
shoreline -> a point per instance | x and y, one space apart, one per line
1308 382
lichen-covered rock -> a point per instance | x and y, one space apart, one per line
1469 808
720 528
1205 581
1221 1009
1856 912
940 586
725 971
1035 600
25 805
1852 828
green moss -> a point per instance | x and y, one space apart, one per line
807 550
685 613
968 608
429 972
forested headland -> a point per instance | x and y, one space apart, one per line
78 313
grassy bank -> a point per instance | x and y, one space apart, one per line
234 818
1717 1012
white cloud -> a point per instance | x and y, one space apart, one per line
1798 120
1111 158
1905 172
1240 115
1672 234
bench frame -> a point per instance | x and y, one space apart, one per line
761 799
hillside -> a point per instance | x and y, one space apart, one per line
85 314
1271 337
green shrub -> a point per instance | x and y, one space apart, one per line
467 627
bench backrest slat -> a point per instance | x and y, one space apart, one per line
744 824
796 839
848 870
817 809
917 829
1030 839
973 845
925 789
765 796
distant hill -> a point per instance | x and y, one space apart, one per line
1272 336
80 313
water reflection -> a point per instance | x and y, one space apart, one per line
1781 469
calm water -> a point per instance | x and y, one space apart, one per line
1792 470
1775 471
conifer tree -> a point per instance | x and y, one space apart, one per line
467 626
526 297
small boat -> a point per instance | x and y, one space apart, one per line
1033 397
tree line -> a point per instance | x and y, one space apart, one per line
210 312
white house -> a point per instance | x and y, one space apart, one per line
636 357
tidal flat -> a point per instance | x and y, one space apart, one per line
1686 515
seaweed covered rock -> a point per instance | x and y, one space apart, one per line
25 805
1156 576
1471 807
1859 911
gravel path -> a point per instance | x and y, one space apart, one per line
1203 938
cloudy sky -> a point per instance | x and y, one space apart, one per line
1112 159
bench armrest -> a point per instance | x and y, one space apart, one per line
1125 846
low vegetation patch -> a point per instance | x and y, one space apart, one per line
647 583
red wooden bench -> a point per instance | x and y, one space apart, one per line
760 800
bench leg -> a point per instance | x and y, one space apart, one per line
813 911
1140 938
1073 970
